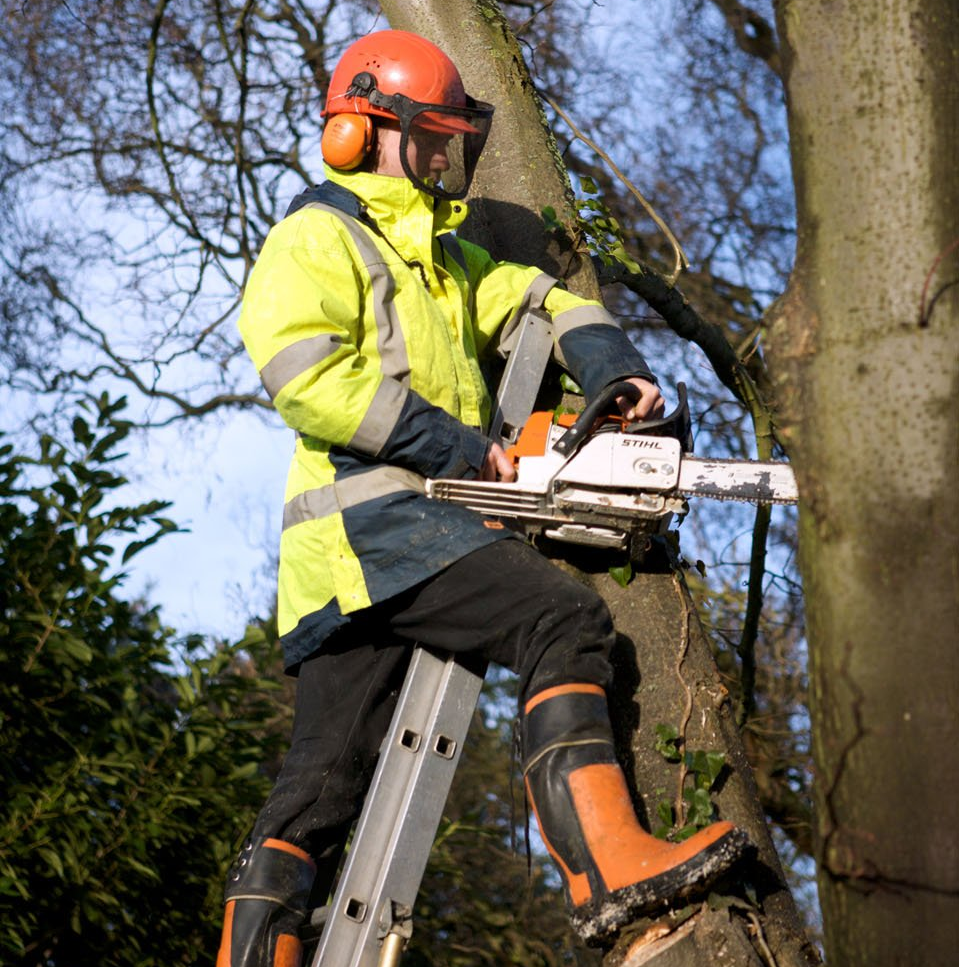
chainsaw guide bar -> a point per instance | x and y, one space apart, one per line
753 481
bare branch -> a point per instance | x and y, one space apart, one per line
754 34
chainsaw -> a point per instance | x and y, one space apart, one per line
601 481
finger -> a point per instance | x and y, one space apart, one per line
633 409
503 465
488 471
507 472
650 405
656 406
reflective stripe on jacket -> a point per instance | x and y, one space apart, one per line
368 334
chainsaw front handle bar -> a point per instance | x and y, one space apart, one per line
674 424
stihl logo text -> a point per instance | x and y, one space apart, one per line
642 444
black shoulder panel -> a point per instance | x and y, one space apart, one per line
328 193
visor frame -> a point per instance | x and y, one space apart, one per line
406 110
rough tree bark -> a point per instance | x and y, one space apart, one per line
864 347
665 671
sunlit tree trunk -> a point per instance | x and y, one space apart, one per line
665 671
864 347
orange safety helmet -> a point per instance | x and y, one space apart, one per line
401 76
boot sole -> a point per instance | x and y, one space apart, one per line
597 921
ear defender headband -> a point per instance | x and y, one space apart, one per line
347 140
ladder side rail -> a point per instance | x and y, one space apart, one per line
402 810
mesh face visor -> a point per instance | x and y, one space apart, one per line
439 144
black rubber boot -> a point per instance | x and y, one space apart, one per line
266 901
613 870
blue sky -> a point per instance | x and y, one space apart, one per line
226 479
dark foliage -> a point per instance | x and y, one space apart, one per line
130 757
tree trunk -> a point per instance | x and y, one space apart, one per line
665 674
864 348
665 671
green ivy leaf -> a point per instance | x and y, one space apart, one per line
550 222
569 384
700 811
622 575
714 766
666 813
667 742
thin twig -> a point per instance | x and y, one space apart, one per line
746 649
923 320
764 947
688 710
153 50
680 261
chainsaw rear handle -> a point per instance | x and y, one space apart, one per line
674 424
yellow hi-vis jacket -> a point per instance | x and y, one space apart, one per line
368 330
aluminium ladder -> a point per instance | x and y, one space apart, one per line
370 918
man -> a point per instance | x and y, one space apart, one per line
368 321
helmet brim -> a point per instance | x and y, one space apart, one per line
438 123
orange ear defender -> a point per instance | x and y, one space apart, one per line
347 139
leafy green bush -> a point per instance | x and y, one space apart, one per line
130 758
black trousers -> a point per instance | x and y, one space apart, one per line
503 603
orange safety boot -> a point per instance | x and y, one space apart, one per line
266 898
613 870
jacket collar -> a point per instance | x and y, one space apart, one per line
408 217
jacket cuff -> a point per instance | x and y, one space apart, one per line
428 440
598 355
